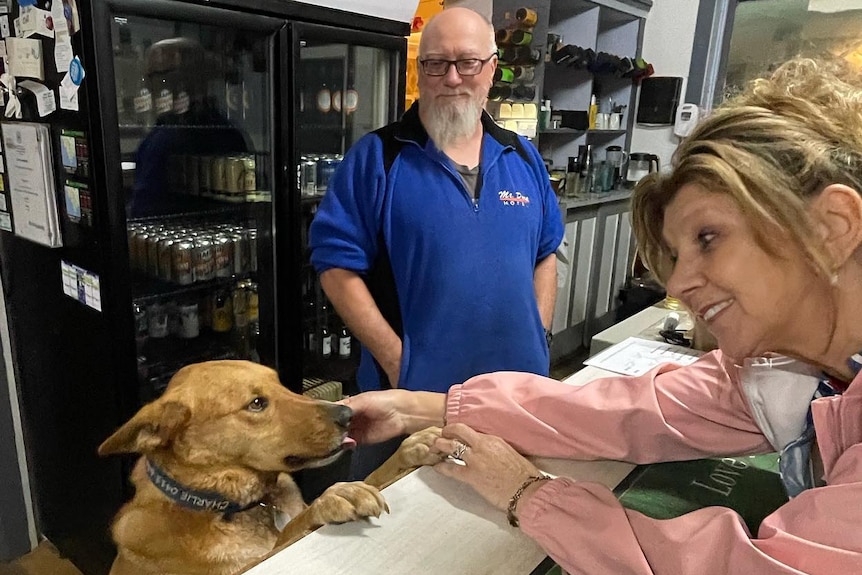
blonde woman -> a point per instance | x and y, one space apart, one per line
758 230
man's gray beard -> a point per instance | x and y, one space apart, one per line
449 123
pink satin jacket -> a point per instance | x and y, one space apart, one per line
669 414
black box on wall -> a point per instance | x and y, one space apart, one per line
659 97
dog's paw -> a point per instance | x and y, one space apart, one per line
416 451
345 502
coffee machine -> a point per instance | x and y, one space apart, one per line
640 164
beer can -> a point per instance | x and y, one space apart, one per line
249 181
205 174
193 177
240 252
202 259
234 175
181 257
165 258
217 181
139 252
223 255
153 254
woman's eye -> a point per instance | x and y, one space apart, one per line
258 404
704 239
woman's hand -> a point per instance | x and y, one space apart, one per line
382 415
492 467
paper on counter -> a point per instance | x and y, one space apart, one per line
636 356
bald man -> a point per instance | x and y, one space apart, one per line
435 241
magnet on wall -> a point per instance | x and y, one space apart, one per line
76 71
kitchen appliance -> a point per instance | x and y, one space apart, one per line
188 166
640 164
616 157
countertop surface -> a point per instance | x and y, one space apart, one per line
593 199
437 526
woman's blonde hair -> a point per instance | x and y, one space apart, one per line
771 148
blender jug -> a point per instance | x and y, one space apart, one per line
616 157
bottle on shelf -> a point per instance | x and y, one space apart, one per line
524 92
503 74
521 37
143 102
572 177
345 342
526 17
164 99
585 161
125 63
544 115
524 73
593 112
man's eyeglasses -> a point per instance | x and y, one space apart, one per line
465 67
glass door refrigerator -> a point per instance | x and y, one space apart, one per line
186 182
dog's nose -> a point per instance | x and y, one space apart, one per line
341 414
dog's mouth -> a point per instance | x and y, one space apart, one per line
296 462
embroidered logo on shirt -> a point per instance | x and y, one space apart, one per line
513 198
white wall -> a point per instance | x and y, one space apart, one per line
667 45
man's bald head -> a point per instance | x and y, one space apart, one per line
459 21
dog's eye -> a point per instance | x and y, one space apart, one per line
257 404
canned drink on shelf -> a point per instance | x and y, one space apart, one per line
234 175
205 174
240 252
153 254
249 180
218 180
202 259
223 255
165 258
193 177
139 252
182 271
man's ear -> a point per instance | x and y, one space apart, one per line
155 425
837 213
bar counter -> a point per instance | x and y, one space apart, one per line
437 526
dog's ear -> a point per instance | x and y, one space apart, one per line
155 425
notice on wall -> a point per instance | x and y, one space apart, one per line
32 191
81 285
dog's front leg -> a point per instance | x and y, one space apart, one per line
415 451
340 503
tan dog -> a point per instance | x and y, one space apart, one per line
213 490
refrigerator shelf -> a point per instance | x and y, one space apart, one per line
198 207
149 290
